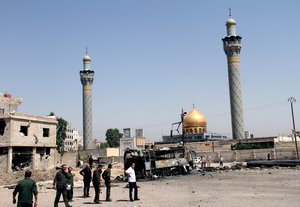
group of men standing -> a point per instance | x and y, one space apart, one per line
64 182
106 176
96 178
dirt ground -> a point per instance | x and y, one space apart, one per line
230 188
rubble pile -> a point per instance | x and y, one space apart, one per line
38 175
117 169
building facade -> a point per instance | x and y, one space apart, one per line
73 141
132 142
25 140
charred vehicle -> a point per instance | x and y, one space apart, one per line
157 162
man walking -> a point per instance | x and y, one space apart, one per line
96 182
60 184
132 182
87 178
106 177
26 189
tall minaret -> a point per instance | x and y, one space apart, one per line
232 48
87 78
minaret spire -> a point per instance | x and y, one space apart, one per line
87 79
232 48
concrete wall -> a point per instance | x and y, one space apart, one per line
111 159
3 163
203 147
109 152
106 152
248 155
69 158
84 154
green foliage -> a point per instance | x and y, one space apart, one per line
113 137
247 146
104 145
61 129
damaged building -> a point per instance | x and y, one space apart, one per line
25 140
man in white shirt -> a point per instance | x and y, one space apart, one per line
132 182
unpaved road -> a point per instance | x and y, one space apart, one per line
240 188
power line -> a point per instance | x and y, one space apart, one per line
252 108
276 104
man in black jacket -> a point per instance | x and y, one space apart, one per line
87 178
59 183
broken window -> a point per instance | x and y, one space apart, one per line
48 150
41 150
1 111
2 127
24 130
45 132
3 150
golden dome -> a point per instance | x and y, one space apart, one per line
194 119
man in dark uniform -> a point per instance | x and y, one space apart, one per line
87 178
106 177
70 184
59 183
91 161
26 189
96 182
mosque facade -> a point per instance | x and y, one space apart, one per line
194 129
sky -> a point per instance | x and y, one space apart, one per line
152 59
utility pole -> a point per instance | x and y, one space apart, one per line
292 100
182 131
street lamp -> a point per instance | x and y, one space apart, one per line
292 100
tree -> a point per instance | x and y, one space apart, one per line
113 137
61 129
103 145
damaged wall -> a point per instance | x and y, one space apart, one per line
27 130
30 130
4 131
3 163
44 158
69 158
